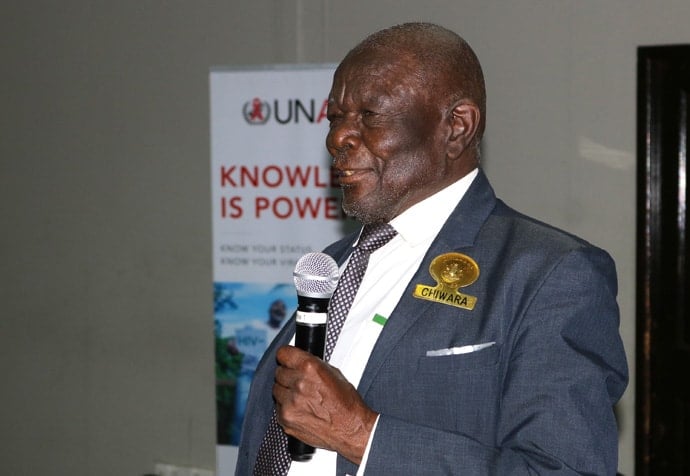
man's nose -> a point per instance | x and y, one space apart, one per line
342 136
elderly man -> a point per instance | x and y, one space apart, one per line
479 341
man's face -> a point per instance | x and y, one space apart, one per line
387 135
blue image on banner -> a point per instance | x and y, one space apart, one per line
247 317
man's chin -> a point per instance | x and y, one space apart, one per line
364 213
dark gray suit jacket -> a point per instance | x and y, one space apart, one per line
539 401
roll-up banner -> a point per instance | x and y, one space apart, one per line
273 200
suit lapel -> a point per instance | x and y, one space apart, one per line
460 231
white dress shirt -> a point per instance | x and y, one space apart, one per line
390 270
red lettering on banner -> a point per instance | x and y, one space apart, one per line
226 176
231 207
266 177
274 176
318 183
300 176
323 113
299 207
308 207
245 173
332 208
262 203
282 207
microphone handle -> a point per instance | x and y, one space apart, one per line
310 335
312 338
312 317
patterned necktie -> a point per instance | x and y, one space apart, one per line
372 238
273 458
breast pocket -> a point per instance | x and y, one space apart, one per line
462 389
460 358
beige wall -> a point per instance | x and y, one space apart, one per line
105 276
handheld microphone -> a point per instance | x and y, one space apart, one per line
315 276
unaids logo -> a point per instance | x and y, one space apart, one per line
256 111
285 111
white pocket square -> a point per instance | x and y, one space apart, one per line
465 349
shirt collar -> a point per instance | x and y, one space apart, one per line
424 220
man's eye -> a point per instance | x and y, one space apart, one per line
369 117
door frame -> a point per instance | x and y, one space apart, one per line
657 206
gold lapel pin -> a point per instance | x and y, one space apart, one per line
450 271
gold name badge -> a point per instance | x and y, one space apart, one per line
450 271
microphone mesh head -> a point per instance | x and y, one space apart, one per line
316 275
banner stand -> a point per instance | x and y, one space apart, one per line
273 200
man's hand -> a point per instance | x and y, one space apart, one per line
317 405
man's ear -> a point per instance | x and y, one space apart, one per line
464 123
